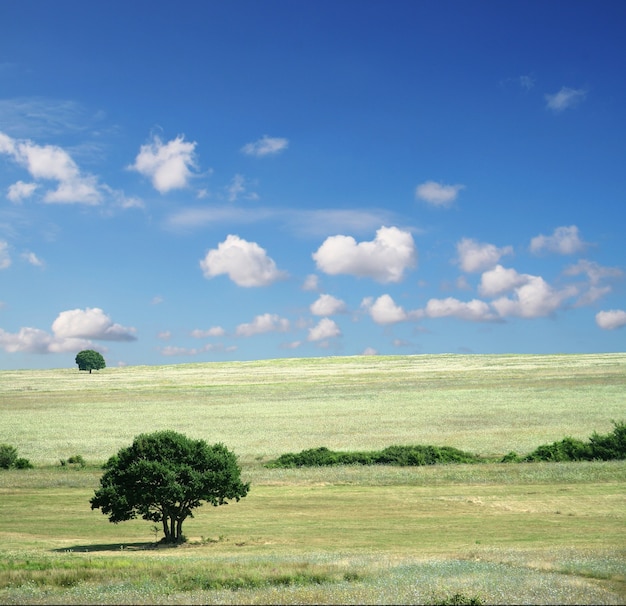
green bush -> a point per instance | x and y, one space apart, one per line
568 449
393 455
599 448
22 463
610 446
9 458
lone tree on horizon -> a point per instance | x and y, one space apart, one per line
88 359
163 476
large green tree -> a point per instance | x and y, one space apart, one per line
88 359
163 477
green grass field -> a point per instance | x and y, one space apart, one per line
504 533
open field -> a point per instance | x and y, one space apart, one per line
485 404
507 533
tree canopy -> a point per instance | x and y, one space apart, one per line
163 477
88 359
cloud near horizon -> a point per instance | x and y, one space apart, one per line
611 319
72 330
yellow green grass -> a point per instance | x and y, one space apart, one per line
507 533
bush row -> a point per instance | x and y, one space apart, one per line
392 455
598 448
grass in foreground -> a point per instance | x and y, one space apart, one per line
552 534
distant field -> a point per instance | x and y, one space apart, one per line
482 403
535 533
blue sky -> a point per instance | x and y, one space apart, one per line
208 181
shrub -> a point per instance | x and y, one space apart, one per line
9 458
77 460
567 449
22 463
404 456
610 446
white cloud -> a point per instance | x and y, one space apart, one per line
311 282
33 259
594 271
476 256
564 241
263 324
20 191
34 340
596 274
327 305
167 165
474 310
172 350
90 323
566 97
50 162
5 257
246 263
612 319
499 280
384 259
534 299
369 351
385 311
437 194
265 146
324 329
214 331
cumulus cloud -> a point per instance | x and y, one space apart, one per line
167 165
476 256
34 340
566 97
90 323
474 310
564 241
327 305
72 331
385 311
52 163
324 329
20 191
385 259
612 319
265 146
263 324
533 299
438 194
499 280
245 263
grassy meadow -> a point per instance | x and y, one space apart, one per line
502 533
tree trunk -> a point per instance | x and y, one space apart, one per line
179 530
166 530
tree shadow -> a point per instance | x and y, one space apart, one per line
116 547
